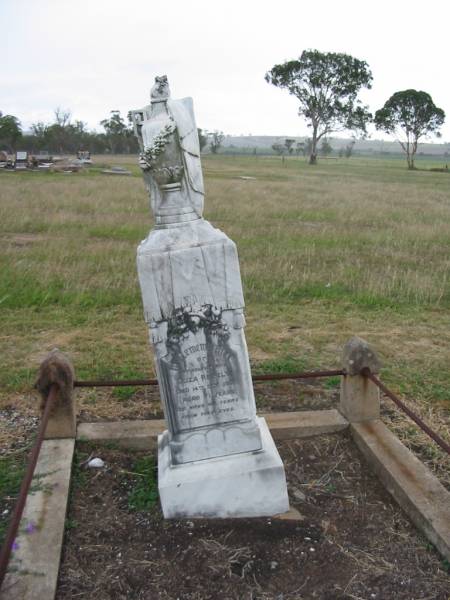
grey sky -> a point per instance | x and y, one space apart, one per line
92 56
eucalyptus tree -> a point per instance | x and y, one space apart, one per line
410 115
216 139
10 131
327 85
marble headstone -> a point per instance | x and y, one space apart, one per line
216 457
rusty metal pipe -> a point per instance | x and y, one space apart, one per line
256 378
24 488
412 415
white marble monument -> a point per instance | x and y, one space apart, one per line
216 459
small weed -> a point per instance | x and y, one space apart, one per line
144 494
12 469
124 393
79 477
71 524
332 382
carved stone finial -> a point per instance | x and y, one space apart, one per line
170 156
160 90
357 355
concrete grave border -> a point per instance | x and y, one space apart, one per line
418 492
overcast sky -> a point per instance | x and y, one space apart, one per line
92 56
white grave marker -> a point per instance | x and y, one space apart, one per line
217 458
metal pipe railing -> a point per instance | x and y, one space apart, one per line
366 372
256 378
16 516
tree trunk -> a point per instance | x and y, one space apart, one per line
410 156
313 155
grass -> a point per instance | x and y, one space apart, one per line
144 494
357 246
12 469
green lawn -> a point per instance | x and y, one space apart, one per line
359 246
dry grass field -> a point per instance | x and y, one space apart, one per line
347 247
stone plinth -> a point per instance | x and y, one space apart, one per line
193 304
249 484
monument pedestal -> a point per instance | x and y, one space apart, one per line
249 484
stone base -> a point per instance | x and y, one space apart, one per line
215 441
250 484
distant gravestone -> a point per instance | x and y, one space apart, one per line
216 458
21 161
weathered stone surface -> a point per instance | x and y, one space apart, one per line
415 488
193 305
360 397
357 355
139 435
57 369
192 294
33 569
289 425
242 485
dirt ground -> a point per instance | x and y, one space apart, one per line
352 541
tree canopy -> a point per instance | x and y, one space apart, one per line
409 115
10 131
216 139
327 85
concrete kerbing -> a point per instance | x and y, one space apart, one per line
291 425
33 569
143 434
139 435
414 487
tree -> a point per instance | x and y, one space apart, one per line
327 86
300 148
348 151
116 131
289 144
202 138
409 115
59 132
216 139
279 148
10 131
325 148
40 135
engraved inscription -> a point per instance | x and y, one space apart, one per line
204 379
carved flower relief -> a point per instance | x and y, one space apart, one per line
149 157
156 158
192 319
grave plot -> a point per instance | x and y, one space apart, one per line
244 518
343 537
348 540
